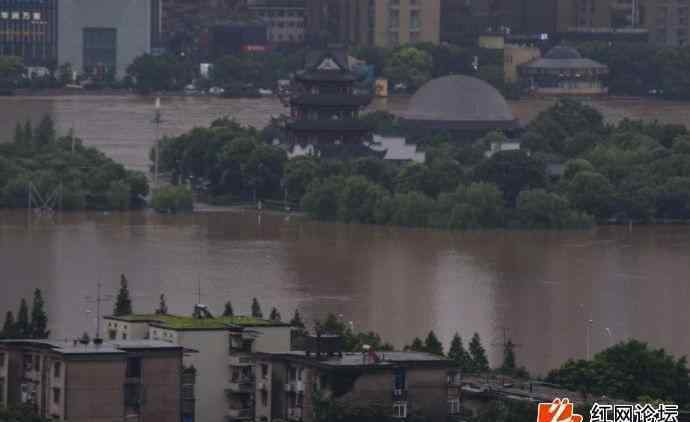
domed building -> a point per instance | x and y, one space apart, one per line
563 71
459 103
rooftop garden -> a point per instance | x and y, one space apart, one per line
178 322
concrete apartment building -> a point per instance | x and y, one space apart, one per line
113 381
285 19
105 35
402 384
224 360
668 21
342 22
398 22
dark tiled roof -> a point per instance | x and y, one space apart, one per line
340 125
561 52
325 76
457 100
332 100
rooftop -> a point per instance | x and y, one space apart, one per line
460 100
563 57
363 360
106 348
178 322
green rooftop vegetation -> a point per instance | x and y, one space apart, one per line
178 322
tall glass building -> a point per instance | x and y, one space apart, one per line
28 29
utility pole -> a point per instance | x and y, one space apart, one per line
157 120
98 311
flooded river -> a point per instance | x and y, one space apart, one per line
538 288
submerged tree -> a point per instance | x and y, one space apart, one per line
256 309
123 304
39 317
416 346
228 311
296 320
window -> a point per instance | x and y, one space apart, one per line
2 390
399 379
124 336
112 334
37 363
453 406
400 410
133 367
264 371
57 366
56 395
2 360
264 398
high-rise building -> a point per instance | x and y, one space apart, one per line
668 21
28 29
346 22
104 36
399 22
284 18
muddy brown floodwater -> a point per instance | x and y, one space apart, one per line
540 288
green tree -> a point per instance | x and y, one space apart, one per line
432 344
359 199
23 322
256 309
410 66
458 354
173 199
538 208
45 131
296 320
479 205
275 315
159 73
628 370
123 303
416 346
118 195
512 172
575 166
11 70
480 363
228 311
162 306
592 192
321 198
39 317
9 328
300 172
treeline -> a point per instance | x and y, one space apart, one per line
27 325
630 370
643 69
633 170
62 169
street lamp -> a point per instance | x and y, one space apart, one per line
588 339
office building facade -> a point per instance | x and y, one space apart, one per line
400 22
668 21
28 29
340 22
105 36
285 19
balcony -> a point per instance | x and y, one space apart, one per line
240 414
240 359
241 385
294 414
262 384
454 380
294 387
399 394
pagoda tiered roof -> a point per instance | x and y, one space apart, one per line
330 125
331 100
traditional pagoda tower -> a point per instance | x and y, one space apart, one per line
324 109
